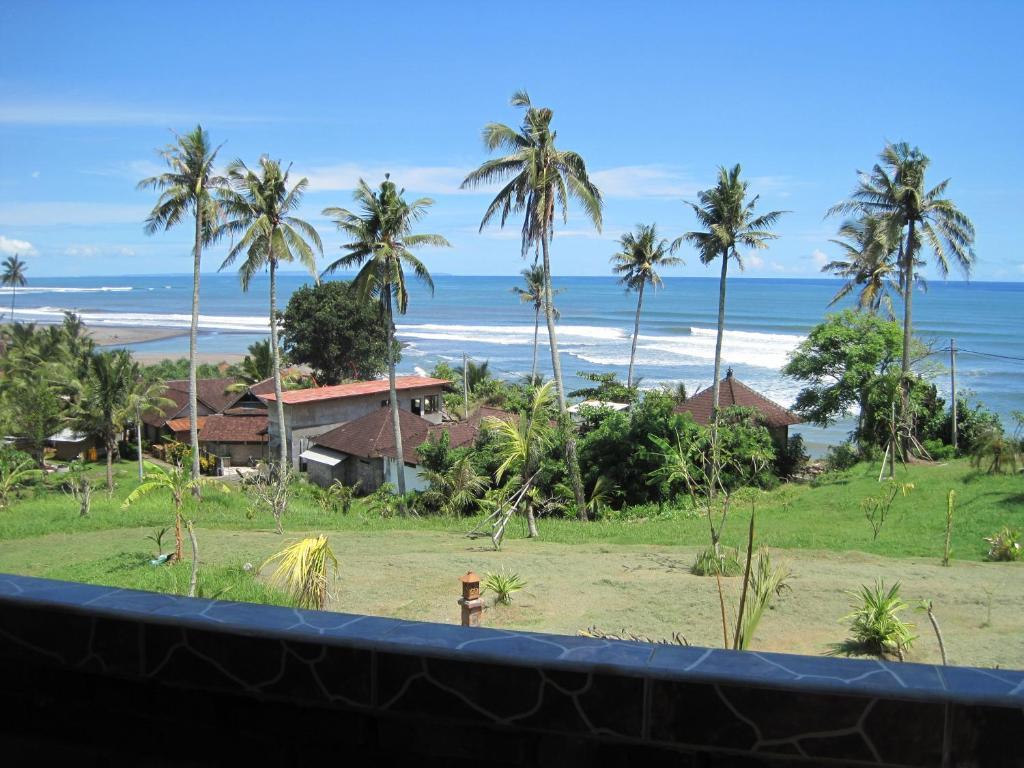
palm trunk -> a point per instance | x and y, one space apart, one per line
908 295
721 333
177 536
14 295
195 560
109 445
572 464
396 423
536 331
636 333
275 356
138 442
531 522
193 405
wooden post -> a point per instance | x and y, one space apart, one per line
952 384
472 605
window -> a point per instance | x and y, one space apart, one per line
385 403
430 404
417 406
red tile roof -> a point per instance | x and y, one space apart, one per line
234 429
182 424
338 391
372 435
732 392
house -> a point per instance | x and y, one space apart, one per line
212 396
237 436
69 445
363 450
732 391
309 413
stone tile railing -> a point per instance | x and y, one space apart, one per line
110 676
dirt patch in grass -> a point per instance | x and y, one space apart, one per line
644 589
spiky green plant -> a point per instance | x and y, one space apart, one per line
765 584
1004 545
13 475
876 628
504 584
304 571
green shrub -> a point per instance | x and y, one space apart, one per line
710 564
792 459
938 450
1004 546
841 457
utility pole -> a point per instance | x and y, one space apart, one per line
952 383
465 383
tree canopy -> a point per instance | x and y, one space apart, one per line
329 328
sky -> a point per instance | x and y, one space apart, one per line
654 96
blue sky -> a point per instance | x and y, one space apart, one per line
655 97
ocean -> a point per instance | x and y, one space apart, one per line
480 316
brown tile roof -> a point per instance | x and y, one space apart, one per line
234 429
372 435
338 391
182 424
732 392
160 418
264 387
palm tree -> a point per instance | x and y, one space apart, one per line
143 394
869 263
180 484
457 488
642 254
533 293
915 217
13 277
730 222
186 189
539 177
520 444
382 244
103 409
305 571
257 366
258 210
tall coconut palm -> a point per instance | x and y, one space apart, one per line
532 292
186 189
730 223
868 263
13 277
538 177
103 408
642 254
915 217
144 394
521 444
258 208
382 244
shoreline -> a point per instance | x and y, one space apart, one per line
111 336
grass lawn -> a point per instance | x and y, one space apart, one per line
616 574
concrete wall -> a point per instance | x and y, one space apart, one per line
239 453
413 480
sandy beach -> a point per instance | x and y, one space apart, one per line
119 336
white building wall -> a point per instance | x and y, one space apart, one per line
414 481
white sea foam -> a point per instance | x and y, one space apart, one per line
68 289
148 320
762 350
510 334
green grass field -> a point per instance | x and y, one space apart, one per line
615 573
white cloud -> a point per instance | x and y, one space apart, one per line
630 181
819 258
440 179
60 213
753 261
12 247
776 267
64 113
644 181
35 174
128 252
1020 268
81 250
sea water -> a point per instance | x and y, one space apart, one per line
480 316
